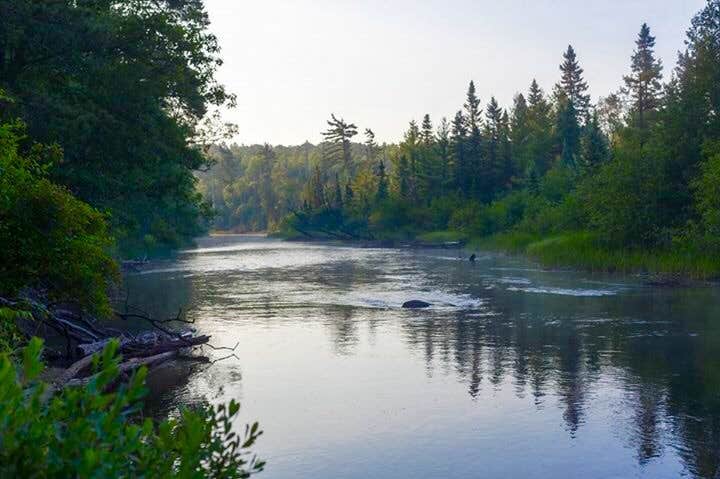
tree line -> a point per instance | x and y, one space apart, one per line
637 169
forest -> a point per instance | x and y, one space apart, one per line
629 183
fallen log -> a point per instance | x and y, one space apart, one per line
127 367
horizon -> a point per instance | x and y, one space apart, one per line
287 88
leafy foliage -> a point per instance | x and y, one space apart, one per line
126 89
50 240
90 432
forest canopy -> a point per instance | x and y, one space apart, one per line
635 171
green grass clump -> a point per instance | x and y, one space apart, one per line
445 236
585 250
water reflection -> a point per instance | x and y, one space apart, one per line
348 384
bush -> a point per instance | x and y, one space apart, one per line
87 432
50 240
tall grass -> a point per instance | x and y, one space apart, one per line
584 250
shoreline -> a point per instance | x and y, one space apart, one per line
578 251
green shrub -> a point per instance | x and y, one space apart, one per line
50 240
88 432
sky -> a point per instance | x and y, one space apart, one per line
380 64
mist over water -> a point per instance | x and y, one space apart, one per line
515 371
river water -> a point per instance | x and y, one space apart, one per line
516 371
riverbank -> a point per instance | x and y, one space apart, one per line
583 250
579 250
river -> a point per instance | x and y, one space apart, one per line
516 371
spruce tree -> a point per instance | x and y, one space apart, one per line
644 82
403 178
382 190
569 135
541 140
572 85
444 155
594 146
491 175
427 135
520 133
478 179
506 152
458 140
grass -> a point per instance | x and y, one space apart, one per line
445 236
583 250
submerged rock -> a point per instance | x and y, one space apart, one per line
416 304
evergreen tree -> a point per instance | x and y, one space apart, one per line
569 135
403 177
506 152
572 85
443 155
492 174
594 146
536 95
644 82
371 146
428 137
382 190
458 140
349 193
540 124
520 133
478 181
337 196
339 134
315 191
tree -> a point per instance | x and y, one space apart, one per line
462 177
339 134
492 174
427 135
594 146
478 181
402 179
126 88
315 190
569 135
572 86
371 146
382 189
444 155
644 82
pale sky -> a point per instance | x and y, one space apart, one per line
380 63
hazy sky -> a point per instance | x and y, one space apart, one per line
381 63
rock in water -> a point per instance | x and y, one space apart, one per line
416 304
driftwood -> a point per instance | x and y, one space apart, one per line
88 336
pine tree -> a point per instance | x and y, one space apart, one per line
339 136
371 146
520 133
382 190
541 140
315 191
594 146
349 193
477 181
572 86
428 138
337 197
536 94
569 135
444 155
644 82
403 178
506 152
462 178
490 176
